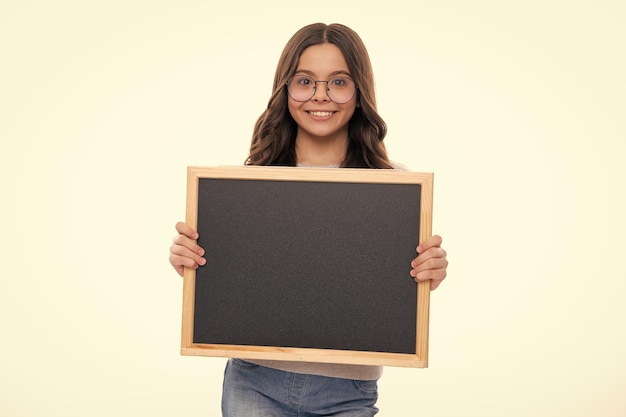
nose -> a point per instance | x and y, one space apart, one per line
321 92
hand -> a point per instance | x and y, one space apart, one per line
431 262
185 252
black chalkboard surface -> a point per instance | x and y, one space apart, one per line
307 264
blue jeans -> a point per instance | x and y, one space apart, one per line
252 390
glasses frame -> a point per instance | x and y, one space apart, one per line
356 87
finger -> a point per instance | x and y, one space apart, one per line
432 253
431 270
184 252
435 276
184 241
184 229
431 242
180 263
434 284
432 264
182 256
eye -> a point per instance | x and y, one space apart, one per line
303 81
340 82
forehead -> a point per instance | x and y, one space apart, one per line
322 59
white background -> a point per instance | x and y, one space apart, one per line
517 107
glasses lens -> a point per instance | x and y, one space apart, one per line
341 89
301 88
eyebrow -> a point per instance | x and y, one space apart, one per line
332 74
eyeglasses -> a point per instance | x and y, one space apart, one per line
339 89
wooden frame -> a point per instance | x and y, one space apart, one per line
418 355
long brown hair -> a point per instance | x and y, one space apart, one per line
273 140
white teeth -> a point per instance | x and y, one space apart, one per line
321 113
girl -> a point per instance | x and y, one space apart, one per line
322 113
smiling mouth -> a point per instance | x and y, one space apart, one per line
321 113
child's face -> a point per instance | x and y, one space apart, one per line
320 118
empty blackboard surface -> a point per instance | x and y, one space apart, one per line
307 264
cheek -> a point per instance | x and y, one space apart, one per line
350 109
293 107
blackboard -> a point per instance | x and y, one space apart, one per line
307 264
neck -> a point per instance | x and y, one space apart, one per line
321 152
